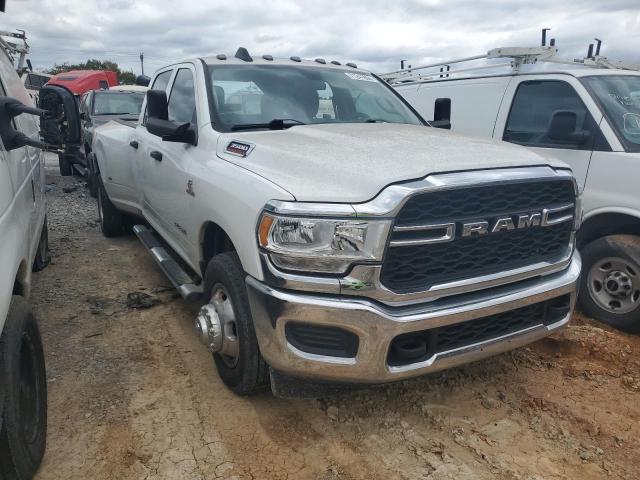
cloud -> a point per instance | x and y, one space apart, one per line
376 34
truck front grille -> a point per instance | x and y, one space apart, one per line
410 267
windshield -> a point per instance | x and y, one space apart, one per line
252 96
128 103
619 97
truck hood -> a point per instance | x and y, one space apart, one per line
352 163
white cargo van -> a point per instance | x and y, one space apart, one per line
585 112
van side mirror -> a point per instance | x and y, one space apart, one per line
12 138
562 128
62 124
442 114
158 122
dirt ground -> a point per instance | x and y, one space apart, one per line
134 395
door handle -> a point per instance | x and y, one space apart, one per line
156 155
133 144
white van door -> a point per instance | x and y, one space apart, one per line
551 117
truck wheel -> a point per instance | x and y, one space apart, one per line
91 176
66 169
610 283
239 362
111 220
22 375
42 254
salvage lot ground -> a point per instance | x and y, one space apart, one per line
133 395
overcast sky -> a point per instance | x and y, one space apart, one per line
373 33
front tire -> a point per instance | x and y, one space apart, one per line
111 219
43 257
66 169
23 428
92 181
610 282
240 364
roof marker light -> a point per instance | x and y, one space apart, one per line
335 62
295 59
352 65
221 56
268 57
243 54
321 60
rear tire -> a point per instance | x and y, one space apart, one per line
66 169
111 219
23 428
248 374
610 281
43 257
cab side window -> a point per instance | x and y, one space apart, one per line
182 101
550 114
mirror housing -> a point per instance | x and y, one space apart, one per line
562 128
62 125
158 122
442 114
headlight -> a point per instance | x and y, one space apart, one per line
321 245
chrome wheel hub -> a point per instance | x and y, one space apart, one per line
217 328
614 284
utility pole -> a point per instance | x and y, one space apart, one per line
142 62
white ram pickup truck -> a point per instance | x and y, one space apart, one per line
330 233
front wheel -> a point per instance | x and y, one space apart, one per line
92 181
23 427
66 169
610 283
238 360
111 219
43 257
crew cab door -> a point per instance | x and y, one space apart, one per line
163 163
555 117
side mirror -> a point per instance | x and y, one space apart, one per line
442 114
62 125
12 138
143 80
562 128
158 122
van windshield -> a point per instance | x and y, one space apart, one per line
619 97
248 97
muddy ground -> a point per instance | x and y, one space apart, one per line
134 395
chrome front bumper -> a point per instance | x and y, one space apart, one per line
377 325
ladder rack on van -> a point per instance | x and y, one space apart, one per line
13 48
517 56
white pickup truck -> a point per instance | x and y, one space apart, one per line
23 249
332 235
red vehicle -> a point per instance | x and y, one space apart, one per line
81 81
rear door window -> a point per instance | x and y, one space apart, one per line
550 114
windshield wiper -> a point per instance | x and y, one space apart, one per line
275 124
